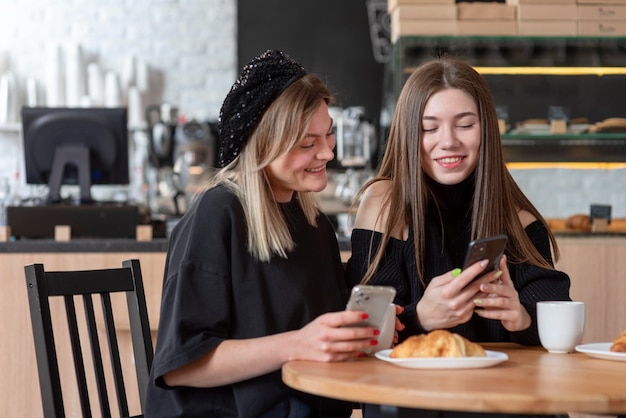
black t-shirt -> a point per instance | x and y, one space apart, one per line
215 290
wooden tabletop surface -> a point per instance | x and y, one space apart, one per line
530 381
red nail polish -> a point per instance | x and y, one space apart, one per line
374 342
376 332
364 316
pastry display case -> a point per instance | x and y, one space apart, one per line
580 79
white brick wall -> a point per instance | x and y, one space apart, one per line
190 49
189 46
560 192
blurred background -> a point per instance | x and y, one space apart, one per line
171 62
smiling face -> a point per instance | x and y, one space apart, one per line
451 136
303 168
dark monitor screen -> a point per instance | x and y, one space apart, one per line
82 146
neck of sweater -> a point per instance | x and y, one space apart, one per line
455 199
451 213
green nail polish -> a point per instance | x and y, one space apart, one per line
478 301
456 272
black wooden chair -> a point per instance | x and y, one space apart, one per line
42 285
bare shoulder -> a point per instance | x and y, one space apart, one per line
525 217
370 214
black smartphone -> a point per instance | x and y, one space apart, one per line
372 299
490 248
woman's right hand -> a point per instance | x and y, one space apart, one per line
334 336
330 337
449 299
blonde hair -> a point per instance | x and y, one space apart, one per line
497 198
282 126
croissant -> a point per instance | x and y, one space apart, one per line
438 343
619 345
580 222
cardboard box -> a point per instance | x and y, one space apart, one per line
547 12
486 11
601 12
601 1
601 28
516 2
62 233
487 27
426 12
5 233
143 233
404 27
547 27
392 4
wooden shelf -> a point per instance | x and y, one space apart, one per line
599 148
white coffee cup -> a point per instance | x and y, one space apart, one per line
387 331
561 325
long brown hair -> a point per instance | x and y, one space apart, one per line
497 198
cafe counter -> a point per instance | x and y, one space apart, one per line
594 261
19 388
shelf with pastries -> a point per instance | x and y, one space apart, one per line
514 55
531 75
581 224
565 148
558 55
580 142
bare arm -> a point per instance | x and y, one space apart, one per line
372 214
526 218
324 339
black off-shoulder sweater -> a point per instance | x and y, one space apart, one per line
445 251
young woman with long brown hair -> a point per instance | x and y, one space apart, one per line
442 183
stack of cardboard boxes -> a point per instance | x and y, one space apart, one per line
486 18
422 17
602 17
507 18
546 17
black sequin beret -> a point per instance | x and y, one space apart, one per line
260 83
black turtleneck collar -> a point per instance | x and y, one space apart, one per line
453 196
452 212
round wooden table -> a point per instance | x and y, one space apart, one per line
531 381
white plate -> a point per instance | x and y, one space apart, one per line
601 350
492 358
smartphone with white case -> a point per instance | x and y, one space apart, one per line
372 299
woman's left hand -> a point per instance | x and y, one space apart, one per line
500 301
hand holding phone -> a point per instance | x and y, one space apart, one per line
374 300
490 248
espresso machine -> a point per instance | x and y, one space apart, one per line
182 157
355 136
194 157
356 143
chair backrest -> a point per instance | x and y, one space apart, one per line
43 285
